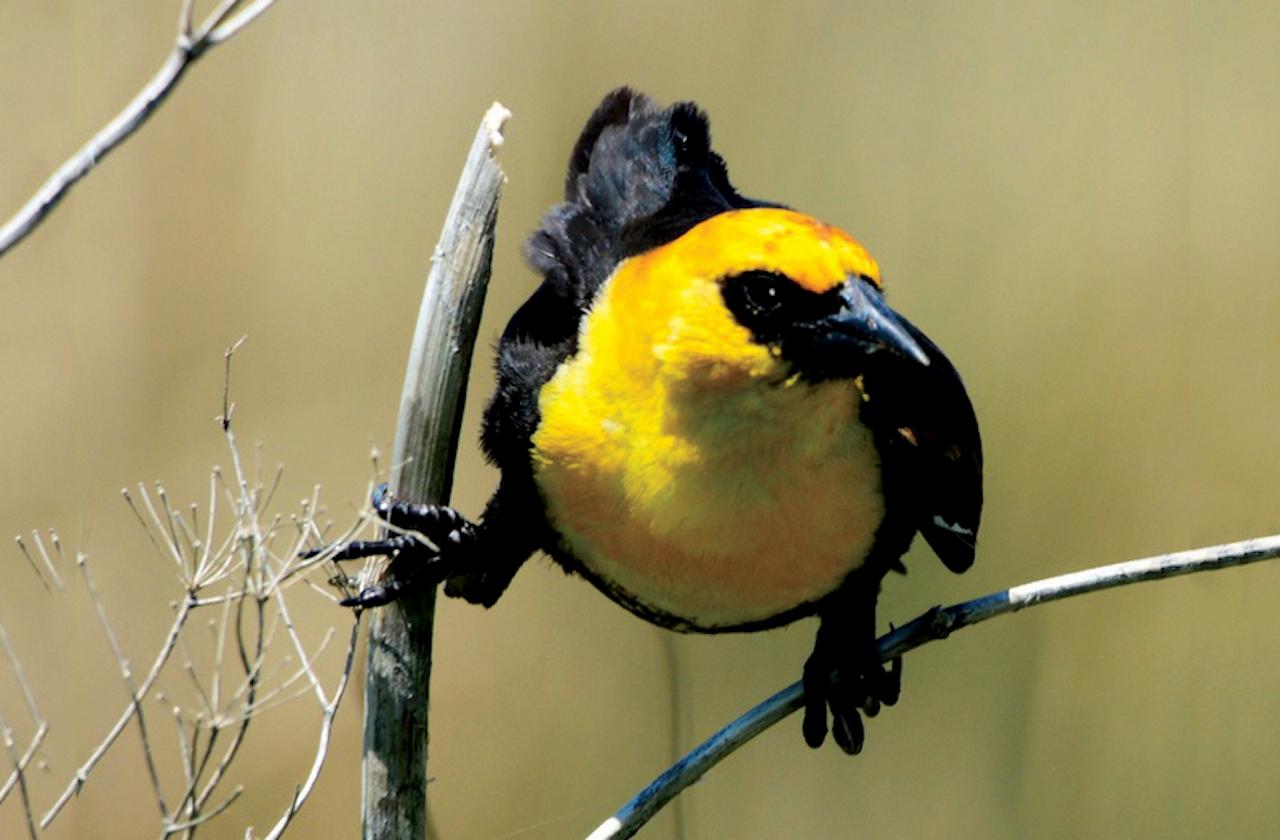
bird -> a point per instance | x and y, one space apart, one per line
708 411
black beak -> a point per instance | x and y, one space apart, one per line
871 324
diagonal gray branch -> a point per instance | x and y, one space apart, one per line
937 623
189 46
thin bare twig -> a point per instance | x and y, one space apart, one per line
186 745
195 797
128 498
329 710
937 623
44 558
126 674
19 772
171 546
249 691
144 688
15 777
18 778
220 26
206 815
21 678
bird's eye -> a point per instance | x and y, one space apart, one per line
757 297
773 305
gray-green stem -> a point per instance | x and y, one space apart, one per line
397 684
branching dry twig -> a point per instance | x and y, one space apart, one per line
937 623
191 43
251 573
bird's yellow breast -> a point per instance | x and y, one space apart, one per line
683 463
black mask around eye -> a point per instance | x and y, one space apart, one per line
772 305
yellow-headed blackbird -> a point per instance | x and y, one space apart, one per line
708 410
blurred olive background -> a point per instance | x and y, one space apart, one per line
1079 201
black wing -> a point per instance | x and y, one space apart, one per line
639 176
931 450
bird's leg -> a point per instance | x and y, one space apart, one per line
844 672
475 561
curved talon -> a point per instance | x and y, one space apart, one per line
847 730
815 722
847 699
374 596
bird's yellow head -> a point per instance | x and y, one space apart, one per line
754 294
815 256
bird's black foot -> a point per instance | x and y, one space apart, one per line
377 595
847 678
415 562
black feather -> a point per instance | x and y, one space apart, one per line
640 175
930 447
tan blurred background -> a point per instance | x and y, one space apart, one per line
1080 201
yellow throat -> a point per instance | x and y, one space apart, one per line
684 463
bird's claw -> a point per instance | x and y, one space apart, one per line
849 686
415 562
377 595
